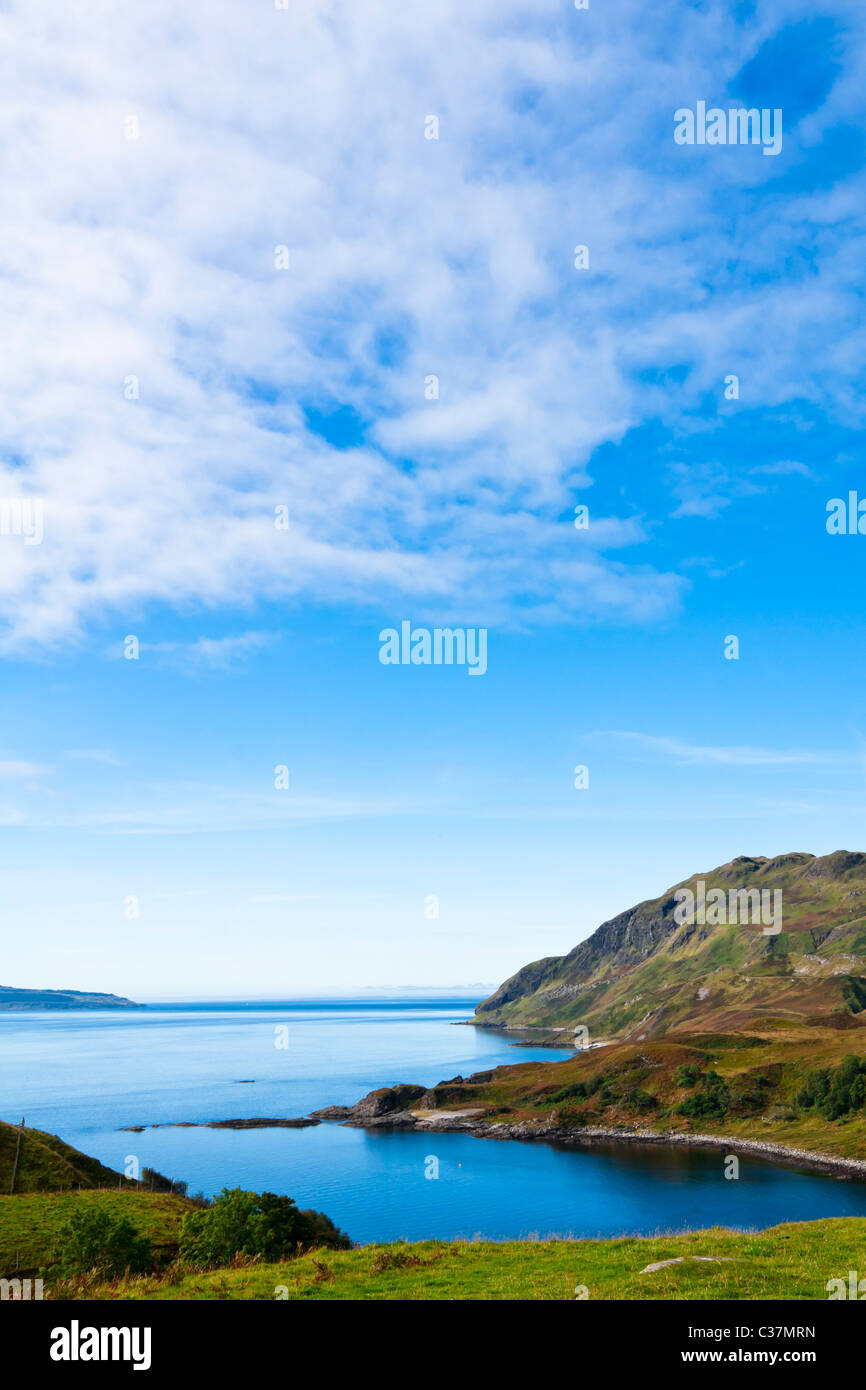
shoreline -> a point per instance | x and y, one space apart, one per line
453 1122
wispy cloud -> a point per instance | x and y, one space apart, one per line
14 768
223 653
785 468
708 755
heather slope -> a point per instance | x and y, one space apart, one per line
644 973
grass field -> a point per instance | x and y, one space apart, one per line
29 1223
793 1261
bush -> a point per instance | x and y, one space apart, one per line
815 1088
95 1241
640 1100
252 1223
835 1092
709 1102
578 1090
688 1075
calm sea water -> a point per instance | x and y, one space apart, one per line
85 1075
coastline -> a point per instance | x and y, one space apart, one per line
464 1122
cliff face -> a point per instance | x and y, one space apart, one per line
647 971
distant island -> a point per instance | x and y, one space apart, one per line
11 998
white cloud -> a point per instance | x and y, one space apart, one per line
153 258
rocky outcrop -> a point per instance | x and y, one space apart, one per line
264 1122
389 1105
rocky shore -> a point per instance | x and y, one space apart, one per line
302 1122
410 1107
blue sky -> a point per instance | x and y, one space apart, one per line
153 257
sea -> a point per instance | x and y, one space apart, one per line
88 1076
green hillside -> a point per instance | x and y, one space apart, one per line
46 1164
644 973
30 1224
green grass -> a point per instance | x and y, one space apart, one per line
46 1163
792 1261
29 1223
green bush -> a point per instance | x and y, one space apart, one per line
578 1090
710 1100
687 1075
252 1223
640 1100
835 1092
815 1088
95 1241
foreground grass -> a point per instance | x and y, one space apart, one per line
30 1223
792 1261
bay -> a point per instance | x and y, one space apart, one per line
86 1075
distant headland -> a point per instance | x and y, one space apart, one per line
11 998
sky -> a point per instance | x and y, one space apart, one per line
287 362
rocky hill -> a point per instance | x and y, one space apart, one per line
649 971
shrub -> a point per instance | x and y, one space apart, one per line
640 1100
252 1223
815 1088
835 1092
687 1075
579 1090
709 1102
95 1241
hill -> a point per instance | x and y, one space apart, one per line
647 972
11 998
47 1164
